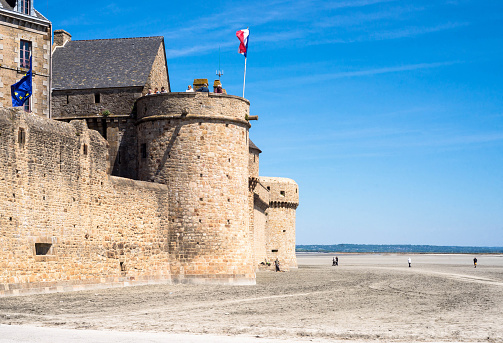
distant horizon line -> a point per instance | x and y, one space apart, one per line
406 244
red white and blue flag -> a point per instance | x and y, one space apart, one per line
243 39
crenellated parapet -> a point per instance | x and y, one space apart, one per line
284 192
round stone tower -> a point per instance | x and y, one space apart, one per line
197 144
280 227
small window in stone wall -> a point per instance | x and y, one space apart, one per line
97 98
67 99
274 250
268 188
21 137
282 193
43 248
84 149
144 150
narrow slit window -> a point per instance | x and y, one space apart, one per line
144 150
274 250
84 149
21 137
97 98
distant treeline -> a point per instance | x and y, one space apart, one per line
398 248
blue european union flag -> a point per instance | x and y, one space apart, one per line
22 89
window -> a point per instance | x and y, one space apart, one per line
26 106
21 136
97 98
84 149
42 248
24 6
144 150
24 54
282 193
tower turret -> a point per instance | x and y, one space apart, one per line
197 144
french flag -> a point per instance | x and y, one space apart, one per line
243 39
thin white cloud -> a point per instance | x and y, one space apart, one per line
359 73
356 3
413 31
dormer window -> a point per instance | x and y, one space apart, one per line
24 6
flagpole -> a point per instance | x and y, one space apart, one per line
244 80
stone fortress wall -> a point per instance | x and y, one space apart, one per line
65 223
119 188
196 214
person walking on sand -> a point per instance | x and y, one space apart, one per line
336 261
410 261
474 262
276 264
333 261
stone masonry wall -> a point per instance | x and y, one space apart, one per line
118 127
55 194
159 73
260 206
280 232
197 144
80 103
11 34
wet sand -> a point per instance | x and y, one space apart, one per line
366 298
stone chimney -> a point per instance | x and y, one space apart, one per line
61 37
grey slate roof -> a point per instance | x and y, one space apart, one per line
253 146
6 6
104 63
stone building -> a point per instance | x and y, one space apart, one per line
121 188
24 32
99 81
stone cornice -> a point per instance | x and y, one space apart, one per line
194 117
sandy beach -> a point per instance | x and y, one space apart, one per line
441 298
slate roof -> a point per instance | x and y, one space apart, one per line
253 146
6 6
104 63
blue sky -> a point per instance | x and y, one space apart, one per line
388 114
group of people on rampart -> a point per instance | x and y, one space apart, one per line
156 91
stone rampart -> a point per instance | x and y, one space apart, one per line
280 230
65 224
197 144
260 206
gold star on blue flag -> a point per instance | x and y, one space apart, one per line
22 89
